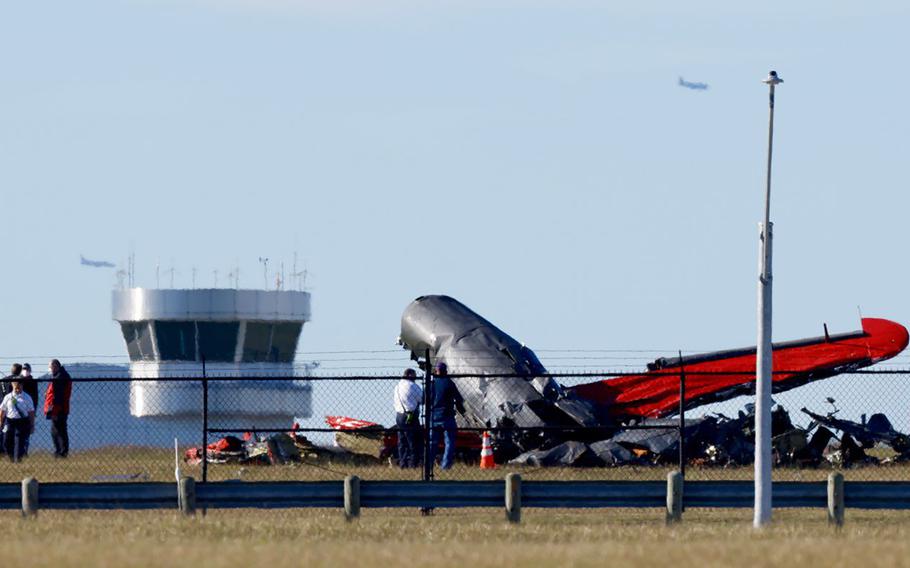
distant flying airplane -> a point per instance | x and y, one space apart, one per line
693 86
96 263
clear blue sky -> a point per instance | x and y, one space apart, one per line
535 160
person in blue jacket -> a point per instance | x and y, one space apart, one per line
445 401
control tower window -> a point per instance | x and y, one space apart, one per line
217 340
257 341
129 335
284 342
138 340
272 343
176 340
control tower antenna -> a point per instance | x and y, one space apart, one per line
194 278
235 276
158 274
215 273
171 271
296 275
265 272
301 278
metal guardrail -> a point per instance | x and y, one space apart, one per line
446 494
267 494
741 494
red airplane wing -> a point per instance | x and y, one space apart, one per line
723 375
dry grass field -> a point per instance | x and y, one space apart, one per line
455 538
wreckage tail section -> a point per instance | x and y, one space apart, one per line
722 375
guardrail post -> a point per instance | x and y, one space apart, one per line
674 497
186 496
351 497
29 497
513 498
836 499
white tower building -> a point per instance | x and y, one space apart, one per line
245 334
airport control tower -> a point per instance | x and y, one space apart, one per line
244 334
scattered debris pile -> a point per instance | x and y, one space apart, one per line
856 437
269 449
272 449
712 440
372 440
719 440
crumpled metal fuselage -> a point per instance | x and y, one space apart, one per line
502 382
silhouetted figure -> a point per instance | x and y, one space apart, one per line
57 407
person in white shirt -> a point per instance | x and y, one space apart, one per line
408 396
17 413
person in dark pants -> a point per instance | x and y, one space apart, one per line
18 416
408 395
57 407
6 387
29 384
29 387
446 399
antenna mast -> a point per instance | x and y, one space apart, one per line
265 272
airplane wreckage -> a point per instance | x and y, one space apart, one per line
535 420
508 390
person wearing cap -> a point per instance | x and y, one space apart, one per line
29 384
29 387
408 395
17 412
446 400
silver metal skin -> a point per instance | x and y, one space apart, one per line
470 345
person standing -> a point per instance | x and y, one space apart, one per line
57 407
6 384
446 399
17 412
29 384
29 387
6 387
408 395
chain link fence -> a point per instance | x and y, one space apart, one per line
313 428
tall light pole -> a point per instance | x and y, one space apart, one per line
764 363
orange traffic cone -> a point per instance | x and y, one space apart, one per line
486 453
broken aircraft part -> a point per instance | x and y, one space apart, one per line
722 375
502 381
878 430
505 386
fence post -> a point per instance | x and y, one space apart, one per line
513 498
29 497
428 455
351 497
205 423
186 496
427 416
836 499
674 497
682 417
